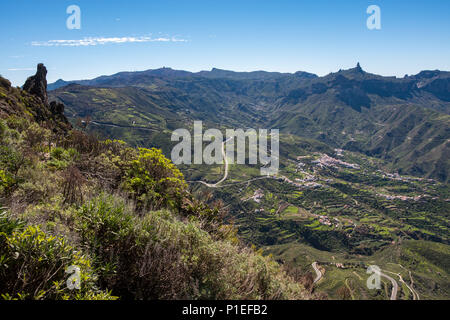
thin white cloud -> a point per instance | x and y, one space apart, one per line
22 69
102 41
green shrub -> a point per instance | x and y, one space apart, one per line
82 142
36 136
72 154
61 158
37 185
154 182
33 266
211 217
57 164
115 146
63 155
57 153
6 182
17 123
2 129
11 159
8 225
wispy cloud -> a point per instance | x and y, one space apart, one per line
17 56
102 41
21 69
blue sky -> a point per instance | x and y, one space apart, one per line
319 36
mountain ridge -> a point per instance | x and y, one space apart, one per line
345 109
169 72
222 73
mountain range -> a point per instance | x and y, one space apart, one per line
405 121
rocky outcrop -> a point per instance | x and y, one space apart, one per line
37 84
31 102
56 107
358 68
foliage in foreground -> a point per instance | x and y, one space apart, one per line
124 217
157 256
33 265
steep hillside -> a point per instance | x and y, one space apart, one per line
122 219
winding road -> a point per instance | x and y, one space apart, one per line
394 285
410 287
225 176
113 125
318 272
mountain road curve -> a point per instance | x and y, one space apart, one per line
318 272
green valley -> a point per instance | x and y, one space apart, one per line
364 164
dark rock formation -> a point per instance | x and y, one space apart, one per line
358 67
5 83
56 107
35 99
37 84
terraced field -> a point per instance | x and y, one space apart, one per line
343 208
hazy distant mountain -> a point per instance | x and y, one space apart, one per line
403 120
142 77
